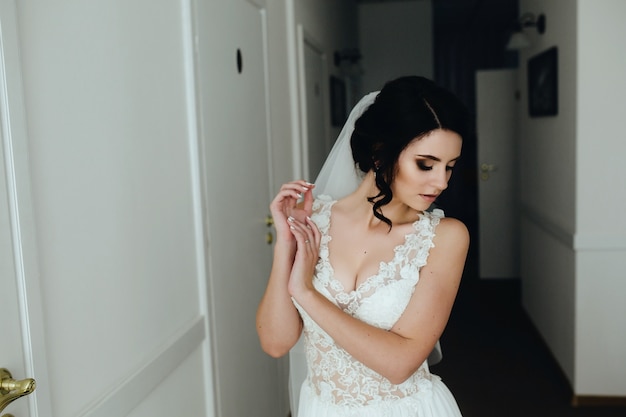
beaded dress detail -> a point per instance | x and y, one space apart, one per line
339 385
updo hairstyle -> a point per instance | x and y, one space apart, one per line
406 109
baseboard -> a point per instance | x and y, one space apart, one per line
597 401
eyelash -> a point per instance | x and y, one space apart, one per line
422 166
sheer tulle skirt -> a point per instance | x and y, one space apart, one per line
437 402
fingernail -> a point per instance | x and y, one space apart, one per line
292 228
290 219
309 184
299 195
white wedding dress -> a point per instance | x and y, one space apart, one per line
336 384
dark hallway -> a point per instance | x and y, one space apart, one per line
494 361
496 364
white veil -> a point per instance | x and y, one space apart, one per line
338 177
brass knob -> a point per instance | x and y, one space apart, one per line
269 221
486 170
11 390
269 238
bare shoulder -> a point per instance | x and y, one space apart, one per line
447 256
451 232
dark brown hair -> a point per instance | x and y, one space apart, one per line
405 109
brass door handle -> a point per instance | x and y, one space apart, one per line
269 222
11 390
486 170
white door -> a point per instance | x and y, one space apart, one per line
315 96
496 110
100 230
232 74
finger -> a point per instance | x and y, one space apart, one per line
301 240
317 235
303 233
294 189
308 199
299 186
291 192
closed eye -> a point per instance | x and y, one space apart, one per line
423 166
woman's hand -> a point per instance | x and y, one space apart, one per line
308 238
285 206
279 324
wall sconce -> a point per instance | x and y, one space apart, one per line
347 60
518 39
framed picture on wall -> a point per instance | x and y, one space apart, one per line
543 84
337 101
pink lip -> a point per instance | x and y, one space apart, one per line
429 197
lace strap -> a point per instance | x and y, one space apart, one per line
423 237
321 212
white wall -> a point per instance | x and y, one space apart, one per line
396 39
573 230
547 188
332 24
600 199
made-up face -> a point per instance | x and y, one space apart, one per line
424 168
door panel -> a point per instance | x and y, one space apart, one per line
232 75
496 125
107 167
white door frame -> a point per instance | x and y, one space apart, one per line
304 39
12 114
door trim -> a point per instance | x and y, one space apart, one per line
189 26
14 142
126 395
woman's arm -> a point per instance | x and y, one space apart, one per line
398 353
278 321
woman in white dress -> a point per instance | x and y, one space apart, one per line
365 270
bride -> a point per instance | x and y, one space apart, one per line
363 269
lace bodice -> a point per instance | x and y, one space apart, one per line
333 373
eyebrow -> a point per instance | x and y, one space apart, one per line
434 158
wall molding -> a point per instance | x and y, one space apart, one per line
547 225
130 392
575 241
